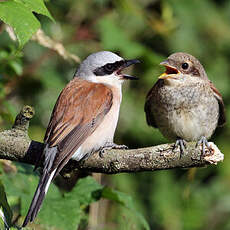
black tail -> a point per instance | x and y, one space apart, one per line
43 185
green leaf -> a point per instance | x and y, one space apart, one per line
5 206
60 211
37 6
87 190
68 209
16 66
126 201
3 54
57 210
20 18
63 211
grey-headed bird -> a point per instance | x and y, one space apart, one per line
84 118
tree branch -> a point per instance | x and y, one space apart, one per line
16 145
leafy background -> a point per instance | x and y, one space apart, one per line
149 30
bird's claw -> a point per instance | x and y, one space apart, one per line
109 146
182 145
203 141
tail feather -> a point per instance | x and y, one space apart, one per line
42 187
38 198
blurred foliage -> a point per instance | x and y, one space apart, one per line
19 15
55 213
149 30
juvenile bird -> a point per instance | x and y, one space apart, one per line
84 118
184 104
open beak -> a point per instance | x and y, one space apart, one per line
170 71
126 64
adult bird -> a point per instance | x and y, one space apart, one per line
184 104
84 118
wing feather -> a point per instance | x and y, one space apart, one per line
79 110
149 105
222 116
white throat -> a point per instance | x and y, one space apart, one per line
110 80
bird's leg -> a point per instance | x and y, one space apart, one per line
181 143
110 145
203 141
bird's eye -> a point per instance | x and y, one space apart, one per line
109 67
185 65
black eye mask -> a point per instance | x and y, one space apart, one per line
109 68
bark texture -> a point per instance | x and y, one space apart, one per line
16 145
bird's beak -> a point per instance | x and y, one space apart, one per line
170 71
126 64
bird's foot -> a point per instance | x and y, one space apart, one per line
110 145
181 143
203 141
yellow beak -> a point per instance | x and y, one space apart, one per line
164 76
171 72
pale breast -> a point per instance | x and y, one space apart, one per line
188 112
105 131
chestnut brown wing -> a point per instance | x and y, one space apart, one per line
79 110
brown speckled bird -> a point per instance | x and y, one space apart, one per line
184 104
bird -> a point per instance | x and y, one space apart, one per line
184 104
84 118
